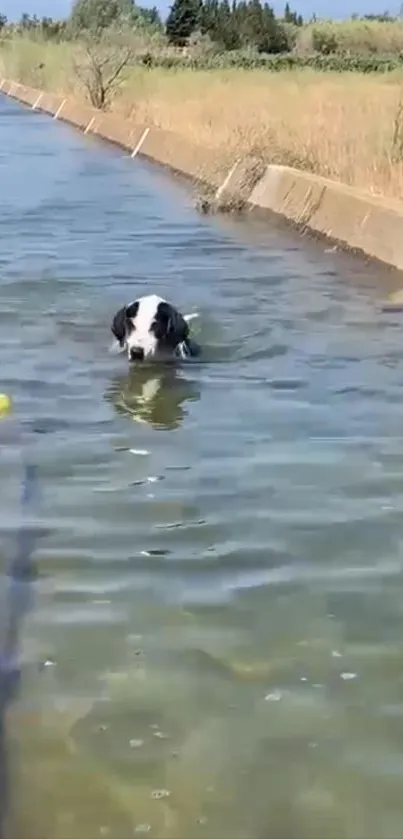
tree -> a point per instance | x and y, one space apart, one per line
97 15
101 69
217 20
208 20
256 26
183 19
246 23
52 29
3 22
26 22
386 17
148 18
227 31
292 17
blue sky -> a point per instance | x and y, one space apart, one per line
323 8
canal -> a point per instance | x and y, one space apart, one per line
216 647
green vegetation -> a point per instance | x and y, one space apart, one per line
218 33
182 21
95 16
337 63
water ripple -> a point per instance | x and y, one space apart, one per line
219 546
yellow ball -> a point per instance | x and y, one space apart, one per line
5 405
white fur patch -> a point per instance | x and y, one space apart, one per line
141 337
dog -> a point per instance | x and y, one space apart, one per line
151 329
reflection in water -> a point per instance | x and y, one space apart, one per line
154 395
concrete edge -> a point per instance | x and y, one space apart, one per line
357 221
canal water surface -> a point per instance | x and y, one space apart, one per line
216 644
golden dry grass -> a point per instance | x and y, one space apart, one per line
338 125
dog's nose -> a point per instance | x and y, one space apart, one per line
137 354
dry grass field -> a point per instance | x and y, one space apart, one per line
345 126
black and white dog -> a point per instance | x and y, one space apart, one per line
151 329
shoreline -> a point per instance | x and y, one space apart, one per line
343 215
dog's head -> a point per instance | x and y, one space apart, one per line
149 328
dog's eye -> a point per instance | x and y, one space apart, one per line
159 328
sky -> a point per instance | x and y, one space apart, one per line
13 9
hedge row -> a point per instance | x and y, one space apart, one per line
337 63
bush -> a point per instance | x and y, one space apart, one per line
101 65
361 37
252 60
97 16
324 40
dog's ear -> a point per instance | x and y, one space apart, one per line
122 322
119 326
132 310
171 325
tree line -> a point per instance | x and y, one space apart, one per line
229 25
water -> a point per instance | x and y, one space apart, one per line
216 648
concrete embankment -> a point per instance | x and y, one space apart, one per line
354 219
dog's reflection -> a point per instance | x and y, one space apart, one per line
153 395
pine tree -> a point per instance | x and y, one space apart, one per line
209 23
275 37
183 19
253 23
227 33
292 17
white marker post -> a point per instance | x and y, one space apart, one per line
59 110
226 181
35 105
89 126
140 143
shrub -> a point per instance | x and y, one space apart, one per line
361 37
100 65
252 60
